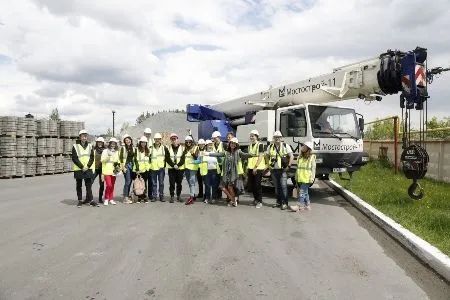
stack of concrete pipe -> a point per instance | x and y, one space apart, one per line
30 147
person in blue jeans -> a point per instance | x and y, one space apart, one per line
157 167
126 160
305 175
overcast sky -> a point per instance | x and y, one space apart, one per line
88 57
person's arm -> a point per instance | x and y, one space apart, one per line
245 155
215 154
91 158
291 155
135 161
75 159
313 169
105 157
121 155
182 158
169 160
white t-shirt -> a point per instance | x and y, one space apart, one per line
212 162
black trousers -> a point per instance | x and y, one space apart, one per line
175 177
98 173
88 185
200 184
254 184
149 184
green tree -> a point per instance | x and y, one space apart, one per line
435 123
125 127
383 130
54 115
140 119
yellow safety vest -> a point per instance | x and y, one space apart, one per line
218 150
273 154
142 160
189 160
254 149
124 155
304 169
176 157
157 158
83 156
240 169
108 162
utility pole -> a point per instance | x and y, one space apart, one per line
113 112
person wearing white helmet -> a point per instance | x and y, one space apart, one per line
280 160
232 168
83 167
209 170
175 166
148 135
201 147
218 147
141 165
191 154
110 167
98 150
305 175
256 166
126 158
157 167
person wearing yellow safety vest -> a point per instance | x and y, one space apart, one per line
157 167
142 164
209 169
83 166
201 147
190 168
280 160
98 150
255 167
231 168
305 175
218 147
110 167
126 159
175 164
148 135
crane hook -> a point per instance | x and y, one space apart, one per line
415 191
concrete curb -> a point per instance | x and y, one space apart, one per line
429 254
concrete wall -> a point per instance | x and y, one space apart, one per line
439 152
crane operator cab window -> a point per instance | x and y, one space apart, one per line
328 121
293 122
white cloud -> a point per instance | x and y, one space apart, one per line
139 55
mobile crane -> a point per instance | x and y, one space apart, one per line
298 110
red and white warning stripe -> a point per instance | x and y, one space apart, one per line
405 83
420 76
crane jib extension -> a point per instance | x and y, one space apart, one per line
392 72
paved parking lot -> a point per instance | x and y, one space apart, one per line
50 249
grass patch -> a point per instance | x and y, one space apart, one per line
429 218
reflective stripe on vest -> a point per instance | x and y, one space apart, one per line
142 160
304 169
108 167
83 156
176 156
189 160
254 149
157 158
273 154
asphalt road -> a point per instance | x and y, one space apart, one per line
50 249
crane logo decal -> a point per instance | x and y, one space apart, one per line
283 92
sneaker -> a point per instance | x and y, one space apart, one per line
171 199
126 200
308 207
153 199
259 205
283 207
276 205
80 204
145 200
161 198
235 203
190 201
179 198
93 203
105 202
205 201
112 202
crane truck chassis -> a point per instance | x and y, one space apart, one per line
301 111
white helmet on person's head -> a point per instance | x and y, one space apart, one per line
188 138
234 140
277 134
173 135
82 132
254 132
157 136
113 140
201 142
100 139
147 130
216 134
208 142
126 136
308 144
143 139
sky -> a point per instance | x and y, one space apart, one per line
88 58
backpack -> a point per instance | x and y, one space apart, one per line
139 186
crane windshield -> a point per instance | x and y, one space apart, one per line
329 121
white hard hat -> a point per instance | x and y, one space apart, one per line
173 135
147 130
113 139
255 132
234 140
126 136
216 134
188 138
82 132
277 133
100 139
201 142
157 136
143 139
207 142
308 144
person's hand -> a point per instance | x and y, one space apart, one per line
175 167
255 171
85 169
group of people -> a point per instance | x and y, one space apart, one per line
214 166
